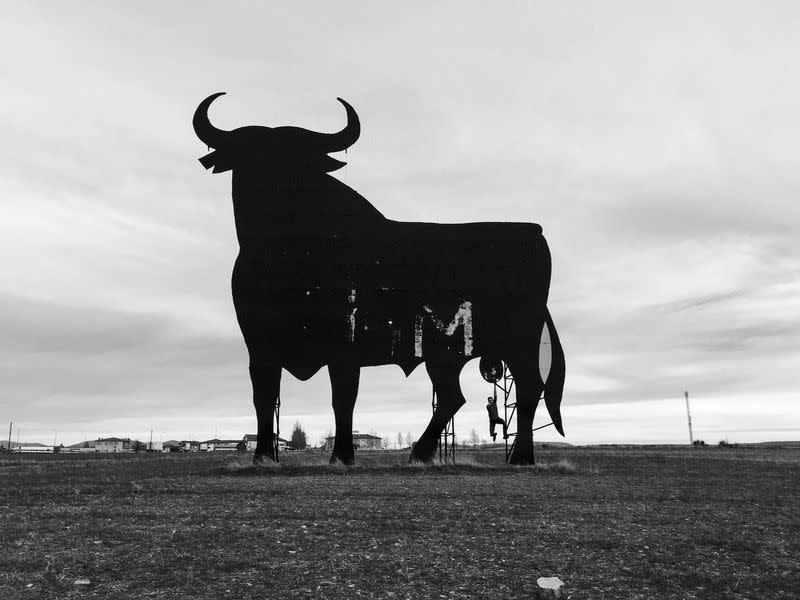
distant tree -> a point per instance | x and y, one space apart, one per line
323 441
299 437
474 438
409 440
241 446
399 440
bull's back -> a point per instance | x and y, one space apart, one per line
496 258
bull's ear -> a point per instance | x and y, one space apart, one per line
217 160
209 159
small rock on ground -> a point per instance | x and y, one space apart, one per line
550 583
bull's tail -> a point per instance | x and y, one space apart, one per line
554 386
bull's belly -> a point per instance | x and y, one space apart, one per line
302 330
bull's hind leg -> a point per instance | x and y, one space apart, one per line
529 387
266 387
344 390
448 392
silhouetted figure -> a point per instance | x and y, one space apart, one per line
494 418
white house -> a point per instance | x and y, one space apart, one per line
113 444
361 441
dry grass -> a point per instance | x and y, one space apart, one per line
611 523
314 462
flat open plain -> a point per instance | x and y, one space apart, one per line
639 522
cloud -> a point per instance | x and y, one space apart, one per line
659 157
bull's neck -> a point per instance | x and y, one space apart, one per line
268 212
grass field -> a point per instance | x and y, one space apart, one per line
611 523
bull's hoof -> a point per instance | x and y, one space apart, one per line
521 458
424 451
418 459
264 458
342 460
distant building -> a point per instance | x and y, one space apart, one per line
361 441
180 446
87 446
113 444
216 445
251 440
32 447
25 447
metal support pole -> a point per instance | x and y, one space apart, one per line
689 416
10 425
277 434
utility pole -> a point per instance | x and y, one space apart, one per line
10 425
689 416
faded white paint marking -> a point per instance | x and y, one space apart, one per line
463 317
351 317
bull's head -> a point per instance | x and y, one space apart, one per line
282 151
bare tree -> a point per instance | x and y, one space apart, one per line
323 442
474 438
409 440
399 440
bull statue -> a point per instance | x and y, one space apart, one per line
323 278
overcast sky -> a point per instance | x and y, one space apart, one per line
656 143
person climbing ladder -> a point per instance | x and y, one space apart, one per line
494 418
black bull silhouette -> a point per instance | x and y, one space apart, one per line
323 278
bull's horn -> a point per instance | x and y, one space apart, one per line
334 142
208 134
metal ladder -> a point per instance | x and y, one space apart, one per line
505 386
446 447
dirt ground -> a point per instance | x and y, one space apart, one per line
639 522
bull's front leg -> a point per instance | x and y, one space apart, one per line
449 399
345 377
266 387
